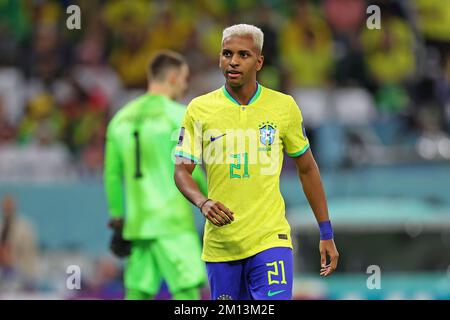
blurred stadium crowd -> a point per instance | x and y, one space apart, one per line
367 90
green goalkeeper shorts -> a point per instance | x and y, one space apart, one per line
175 258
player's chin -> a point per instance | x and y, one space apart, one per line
234 82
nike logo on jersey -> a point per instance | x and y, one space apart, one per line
218 137
274 293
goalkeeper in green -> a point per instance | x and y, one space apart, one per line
139 166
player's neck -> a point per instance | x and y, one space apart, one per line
244 93
160 90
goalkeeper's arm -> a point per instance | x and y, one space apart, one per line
113 171
112 175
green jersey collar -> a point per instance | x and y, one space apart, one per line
252 99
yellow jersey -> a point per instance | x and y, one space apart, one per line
241 147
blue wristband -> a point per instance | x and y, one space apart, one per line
326 230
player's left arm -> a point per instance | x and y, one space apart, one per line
309 175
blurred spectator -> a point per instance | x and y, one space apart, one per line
7 130
350 21
93 154
434 22
41 108
45 159
42 160
350 66
389 51
390 57
306 47
13 30
131 24
208 36
48 54
272 74
13 93
18 249
443 92
100 82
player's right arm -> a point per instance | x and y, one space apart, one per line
200 179
112 175
188 153
214 211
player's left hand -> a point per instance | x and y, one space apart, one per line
328 248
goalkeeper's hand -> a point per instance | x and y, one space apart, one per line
118 245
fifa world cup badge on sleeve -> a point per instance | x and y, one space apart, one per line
181 137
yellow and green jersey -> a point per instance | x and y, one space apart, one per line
139 169
241 147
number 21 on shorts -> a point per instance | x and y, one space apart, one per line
273 276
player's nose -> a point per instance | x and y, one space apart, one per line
234 61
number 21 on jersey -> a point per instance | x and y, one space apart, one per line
236 170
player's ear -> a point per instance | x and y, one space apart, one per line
259 62
172 76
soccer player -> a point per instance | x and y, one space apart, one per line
157 219
239 132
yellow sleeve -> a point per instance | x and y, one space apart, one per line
190 139
295 141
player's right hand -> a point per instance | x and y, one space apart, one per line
117 244
217 213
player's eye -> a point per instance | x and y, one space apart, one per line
244 54
226 53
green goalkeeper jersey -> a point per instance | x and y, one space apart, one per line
139 169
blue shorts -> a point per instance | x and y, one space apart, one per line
267 275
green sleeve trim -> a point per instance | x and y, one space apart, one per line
187 156
299 153
256 96
252 99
